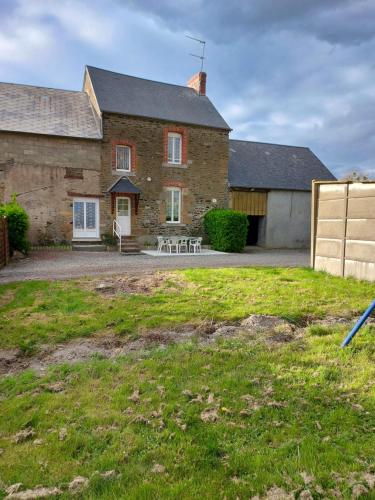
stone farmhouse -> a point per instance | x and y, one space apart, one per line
148 157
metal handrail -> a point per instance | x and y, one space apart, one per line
117 231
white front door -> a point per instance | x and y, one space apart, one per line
85 218
123 215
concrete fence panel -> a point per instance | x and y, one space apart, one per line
343 228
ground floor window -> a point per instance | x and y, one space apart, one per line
173 205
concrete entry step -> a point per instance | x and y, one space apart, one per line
91 247
87 241
129 245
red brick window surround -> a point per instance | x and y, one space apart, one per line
123 156
171 154
176 184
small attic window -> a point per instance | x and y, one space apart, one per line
232 150
45 103
267 153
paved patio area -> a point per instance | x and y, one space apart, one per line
52 264
202 253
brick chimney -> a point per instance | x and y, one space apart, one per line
198 82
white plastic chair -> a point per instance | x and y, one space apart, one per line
162 242
173 243
195 245
184 243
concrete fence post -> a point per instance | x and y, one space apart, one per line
344 229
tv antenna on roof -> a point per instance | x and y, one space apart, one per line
203 44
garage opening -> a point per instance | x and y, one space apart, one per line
253 230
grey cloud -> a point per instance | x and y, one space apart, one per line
335 21
298 91
297 72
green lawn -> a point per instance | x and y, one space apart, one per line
33 313
227 420
307 408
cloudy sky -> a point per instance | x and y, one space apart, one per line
298 72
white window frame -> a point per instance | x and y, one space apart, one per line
118 146
170 191
175 160
79 233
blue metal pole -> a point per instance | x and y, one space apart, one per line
358 325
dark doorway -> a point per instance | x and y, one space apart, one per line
253 229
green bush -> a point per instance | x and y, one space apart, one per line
226 229
109 240
18 224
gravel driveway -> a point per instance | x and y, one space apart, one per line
51 264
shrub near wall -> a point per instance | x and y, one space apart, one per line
18 224
226 229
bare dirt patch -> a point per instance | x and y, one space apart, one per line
82 349
9 358
256 328
145 284
265 323
331 321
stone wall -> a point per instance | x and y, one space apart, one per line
202 178
43 170
46 172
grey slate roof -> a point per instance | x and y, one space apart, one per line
273 166
39 110
124 185
129 95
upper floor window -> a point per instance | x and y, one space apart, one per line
174 148
123 158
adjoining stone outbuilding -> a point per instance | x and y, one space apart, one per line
50 153
271 183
